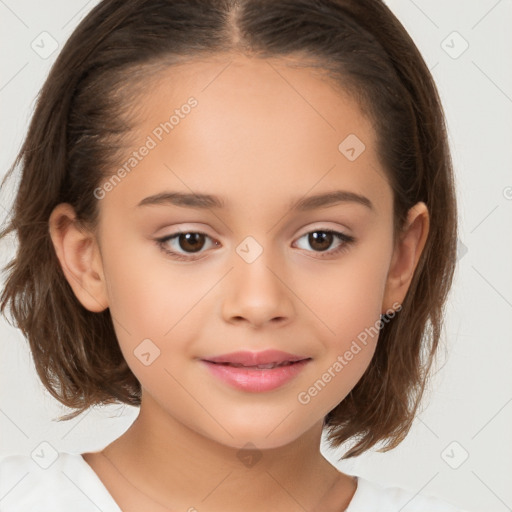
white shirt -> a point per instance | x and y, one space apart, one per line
69 484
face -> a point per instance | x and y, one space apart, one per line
261 265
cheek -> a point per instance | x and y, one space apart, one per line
353 315
154 302
350 306
145 289
348 296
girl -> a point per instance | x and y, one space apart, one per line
239 216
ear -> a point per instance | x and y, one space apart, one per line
79 257
406 254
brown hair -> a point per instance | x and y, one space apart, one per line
77 130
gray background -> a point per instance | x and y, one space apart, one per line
460 445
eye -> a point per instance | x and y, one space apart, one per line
321 239
189 241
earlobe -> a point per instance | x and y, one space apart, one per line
79 258
406 255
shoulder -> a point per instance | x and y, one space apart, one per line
372 496
50 480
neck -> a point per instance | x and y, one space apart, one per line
178 466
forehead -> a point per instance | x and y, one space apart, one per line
258 129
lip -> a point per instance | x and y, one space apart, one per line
246 376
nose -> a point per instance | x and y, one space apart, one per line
257 294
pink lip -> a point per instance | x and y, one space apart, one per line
248 377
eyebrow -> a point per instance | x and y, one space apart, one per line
207 201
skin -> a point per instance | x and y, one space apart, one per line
263 134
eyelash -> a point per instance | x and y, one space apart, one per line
346 239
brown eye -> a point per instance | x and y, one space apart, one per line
320 240
184 244
191 242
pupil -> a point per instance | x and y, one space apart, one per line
324 238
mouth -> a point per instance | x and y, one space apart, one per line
263 360
256 372
269 366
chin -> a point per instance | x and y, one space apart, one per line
266 435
